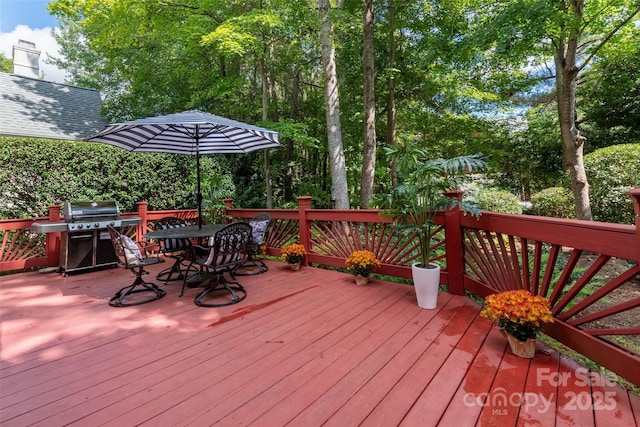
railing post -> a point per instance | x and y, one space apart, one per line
53 239
453 246
228 204
142 208
635 195
304 204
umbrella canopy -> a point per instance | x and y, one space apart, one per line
190 132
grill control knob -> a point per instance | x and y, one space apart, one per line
80 226
96 225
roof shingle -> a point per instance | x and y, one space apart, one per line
40 109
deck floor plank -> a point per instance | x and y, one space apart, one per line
392 409
305 348
256 366
186 377
435 399
540 395
307 385
503 401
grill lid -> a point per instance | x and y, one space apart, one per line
90 211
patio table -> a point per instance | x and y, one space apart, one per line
188 232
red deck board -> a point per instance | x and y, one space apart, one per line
468 400
210 356
541 392
433 402
143 377
257 368
501 406
369 349
319 367
611 405
392 409
305 348
136 358
572 387
358 406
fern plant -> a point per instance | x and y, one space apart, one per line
414 202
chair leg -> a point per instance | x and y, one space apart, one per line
172 273
253 265
175 272
138 286
192 275
235 289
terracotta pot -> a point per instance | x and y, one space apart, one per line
295 266
361 280
525 349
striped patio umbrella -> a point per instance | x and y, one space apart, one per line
191 132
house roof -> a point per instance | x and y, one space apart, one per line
39 109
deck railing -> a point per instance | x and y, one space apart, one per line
589 270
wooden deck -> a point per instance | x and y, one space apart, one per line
305 348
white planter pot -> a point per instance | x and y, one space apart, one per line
426 282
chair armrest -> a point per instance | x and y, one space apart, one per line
201 251
145 247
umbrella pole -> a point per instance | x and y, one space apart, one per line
198 192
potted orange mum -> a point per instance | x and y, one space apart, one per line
362 264
520 316
293 254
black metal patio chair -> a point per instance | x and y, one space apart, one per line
221 258
259 227
131 258
178 249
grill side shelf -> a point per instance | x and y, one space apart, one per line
48 227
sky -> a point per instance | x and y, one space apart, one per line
29 20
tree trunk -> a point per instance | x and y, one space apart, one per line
391 97
572 142
288 177
265 115
369 149
331 99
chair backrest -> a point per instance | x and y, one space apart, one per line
171 245
229 243
125 248
259 225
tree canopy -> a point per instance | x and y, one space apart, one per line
464 78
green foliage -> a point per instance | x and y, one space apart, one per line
613 171
35 174
6 64
529 159
414 203
555 202
498 201
453 60
612 109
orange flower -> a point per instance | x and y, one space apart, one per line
293 253
518 312
362 262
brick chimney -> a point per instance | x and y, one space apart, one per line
26 59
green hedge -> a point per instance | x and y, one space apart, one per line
612 171
555 202
37 173
498 201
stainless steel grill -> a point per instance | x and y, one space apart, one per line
85 242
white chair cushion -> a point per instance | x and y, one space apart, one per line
131 250
258 228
